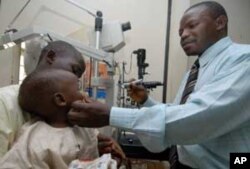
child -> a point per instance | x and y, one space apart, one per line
50 141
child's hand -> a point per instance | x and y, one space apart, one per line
109 145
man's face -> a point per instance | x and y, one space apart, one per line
197 31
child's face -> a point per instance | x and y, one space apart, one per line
71 90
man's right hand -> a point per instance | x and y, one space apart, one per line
90 113
138 93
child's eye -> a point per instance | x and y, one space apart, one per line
77 71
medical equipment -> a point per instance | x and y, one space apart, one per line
124 101
13 37
10 39
128 140
141 56
108 39
136 82
147 84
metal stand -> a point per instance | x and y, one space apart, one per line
129 142
98 29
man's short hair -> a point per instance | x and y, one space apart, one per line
214 8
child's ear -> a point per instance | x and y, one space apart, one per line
50 57
59 99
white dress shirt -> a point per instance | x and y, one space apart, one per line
215 120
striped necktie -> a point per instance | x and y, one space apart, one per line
191 81
192 78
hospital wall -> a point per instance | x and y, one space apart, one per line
148 20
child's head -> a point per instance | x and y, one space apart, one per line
61 55
49 94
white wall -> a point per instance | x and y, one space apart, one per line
177 58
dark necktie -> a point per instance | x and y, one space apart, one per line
191 81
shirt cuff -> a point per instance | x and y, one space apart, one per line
122 117
149 102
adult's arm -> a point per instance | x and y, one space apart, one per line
217 108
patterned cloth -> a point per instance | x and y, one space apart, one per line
103 162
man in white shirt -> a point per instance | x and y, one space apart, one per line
214 118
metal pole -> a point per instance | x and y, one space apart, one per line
18 14
98 29
165 75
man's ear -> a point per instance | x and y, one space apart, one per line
221 22
59 99
50 57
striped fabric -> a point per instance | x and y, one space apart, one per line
192 78
191 81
